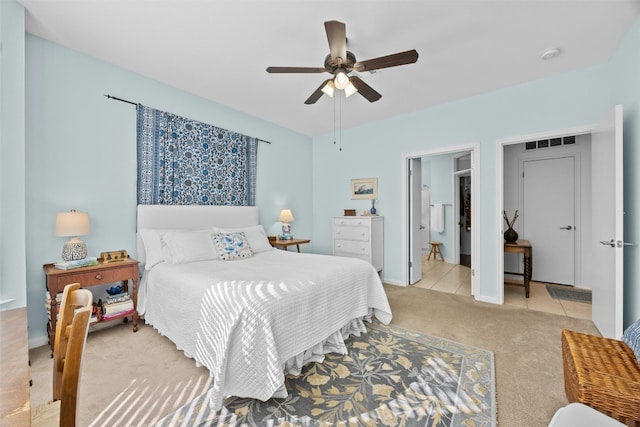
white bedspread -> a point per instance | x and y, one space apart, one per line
244 319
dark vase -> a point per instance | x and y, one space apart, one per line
510 235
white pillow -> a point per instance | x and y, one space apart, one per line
152 240
189 246
255 235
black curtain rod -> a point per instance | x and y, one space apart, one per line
136 104
121 100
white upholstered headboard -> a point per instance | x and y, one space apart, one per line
192 218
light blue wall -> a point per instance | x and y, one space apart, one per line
572 99
12 156
625 79
81 154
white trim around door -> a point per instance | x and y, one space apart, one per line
474 150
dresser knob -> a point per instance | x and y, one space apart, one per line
98 276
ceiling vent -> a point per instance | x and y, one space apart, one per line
550 143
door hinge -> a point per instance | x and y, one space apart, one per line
473 272
410 264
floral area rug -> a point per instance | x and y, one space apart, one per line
391 377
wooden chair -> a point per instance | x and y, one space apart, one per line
71 336
435 250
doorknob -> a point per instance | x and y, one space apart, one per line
568 227
614 243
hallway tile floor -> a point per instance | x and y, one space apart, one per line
456 279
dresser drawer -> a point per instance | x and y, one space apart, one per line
351 233
351 247
351 222
347 255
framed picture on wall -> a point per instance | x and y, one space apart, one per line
364 188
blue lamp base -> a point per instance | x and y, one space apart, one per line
286 232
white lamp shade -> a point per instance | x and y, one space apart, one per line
71 224
286 216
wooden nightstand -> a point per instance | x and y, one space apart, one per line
101 274
284 244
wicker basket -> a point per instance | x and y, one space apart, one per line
602 373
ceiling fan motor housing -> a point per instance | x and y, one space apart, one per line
332 65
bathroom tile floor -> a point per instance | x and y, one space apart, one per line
441 276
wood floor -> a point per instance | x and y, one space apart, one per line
441 276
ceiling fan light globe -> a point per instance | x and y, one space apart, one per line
341 81
349 90
328 89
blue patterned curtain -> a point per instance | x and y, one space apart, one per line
184 162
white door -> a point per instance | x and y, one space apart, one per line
415 219
549 218
607 225
425 226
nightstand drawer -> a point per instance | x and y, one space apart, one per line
351 247
89 278
351 233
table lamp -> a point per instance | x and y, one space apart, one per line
286 218
73 224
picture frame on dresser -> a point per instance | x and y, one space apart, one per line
364 188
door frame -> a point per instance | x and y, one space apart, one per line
500 144
474 151
455 202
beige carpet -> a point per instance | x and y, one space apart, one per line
135 379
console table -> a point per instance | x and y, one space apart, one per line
101 274
521 247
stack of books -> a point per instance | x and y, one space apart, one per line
117 305
68 265
47 305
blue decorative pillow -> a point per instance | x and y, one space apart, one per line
232 246
632 338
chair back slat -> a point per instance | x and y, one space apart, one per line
71 334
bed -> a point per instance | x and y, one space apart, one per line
246 311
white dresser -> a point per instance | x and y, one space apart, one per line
359 237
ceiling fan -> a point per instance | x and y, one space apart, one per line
340 62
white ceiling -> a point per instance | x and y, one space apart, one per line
219 49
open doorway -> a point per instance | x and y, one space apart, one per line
438 175
593 175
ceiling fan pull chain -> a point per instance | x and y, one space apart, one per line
340 118
334 121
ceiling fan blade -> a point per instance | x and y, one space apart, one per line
317 94
295 70
337 37
402 58
364 89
